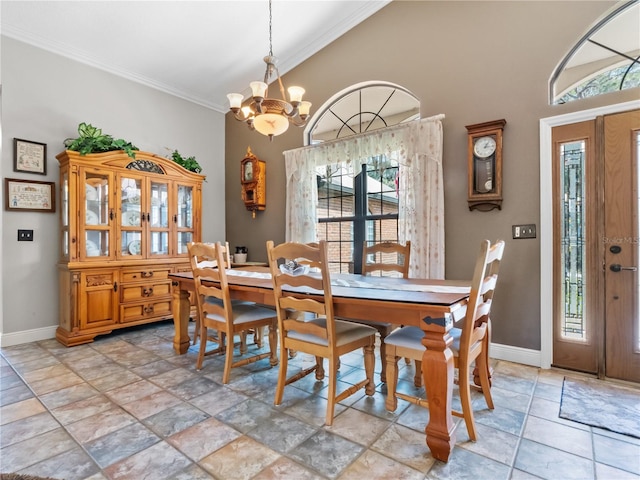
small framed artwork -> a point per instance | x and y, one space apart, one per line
27 195
30 157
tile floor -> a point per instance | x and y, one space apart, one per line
127 407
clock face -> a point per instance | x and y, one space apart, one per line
248 171
484 146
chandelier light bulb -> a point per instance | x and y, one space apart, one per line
295 94
235 100
258 89
304 108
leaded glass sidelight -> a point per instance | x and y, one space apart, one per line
573 235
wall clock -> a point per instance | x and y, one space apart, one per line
253 178
485 165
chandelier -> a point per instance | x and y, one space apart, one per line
270 116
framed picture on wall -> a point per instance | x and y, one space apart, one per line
29 157
27 195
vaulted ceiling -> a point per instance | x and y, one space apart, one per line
196 50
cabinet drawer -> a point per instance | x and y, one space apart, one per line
132 312
142 273
141 291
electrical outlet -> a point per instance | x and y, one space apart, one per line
524 231
25 235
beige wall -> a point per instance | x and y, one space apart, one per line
44 98
473 62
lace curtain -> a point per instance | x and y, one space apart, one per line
418 147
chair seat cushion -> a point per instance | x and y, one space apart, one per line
411 337
244 312
382 327
346 332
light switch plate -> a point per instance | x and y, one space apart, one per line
524 231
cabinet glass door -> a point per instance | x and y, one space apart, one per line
159 218
131 217
64 213
184 217
97 214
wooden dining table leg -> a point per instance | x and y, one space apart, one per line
437 371
181 309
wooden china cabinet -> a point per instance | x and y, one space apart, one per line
124 226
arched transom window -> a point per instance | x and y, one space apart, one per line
605 60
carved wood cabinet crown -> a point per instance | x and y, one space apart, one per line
124 227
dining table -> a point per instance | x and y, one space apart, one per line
431 304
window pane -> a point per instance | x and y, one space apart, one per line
573 254
382 186
335 192
339 237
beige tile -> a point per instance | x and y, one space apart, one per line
374 466
46 372
203 438
19 410
99 425
149 405
284 468
405 446
491 443
132 392
87 407
358 426
240 460
559 436
158 461
58 382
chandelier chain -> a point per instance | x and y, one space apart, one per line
270 39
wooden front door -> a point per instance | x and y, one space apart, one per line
596 246
621 245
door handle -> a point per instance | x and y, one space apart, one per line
616 267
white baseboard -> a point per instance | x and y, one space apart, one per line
521 355
26 336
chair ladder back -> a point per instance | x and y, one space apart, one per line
483 285
382 251
204 259
313 255
475 298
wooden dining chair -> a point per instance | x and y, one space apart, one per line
469 341
321 335
385 258
217 311
211 263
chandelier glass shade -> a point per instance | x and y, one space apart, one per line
270 116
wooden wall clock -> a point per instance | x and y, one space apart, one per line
485 165
253 178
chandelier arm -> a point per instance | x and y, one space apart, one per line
298 121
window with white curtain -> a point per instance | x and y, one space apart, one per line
413 148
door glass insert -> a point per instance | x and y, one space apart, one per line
64 219
159 205
97 212
159 243
96 199
573 235
96 243
636 242
185 213
183 239
132 216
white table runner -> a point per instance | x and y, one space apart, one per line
353 283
